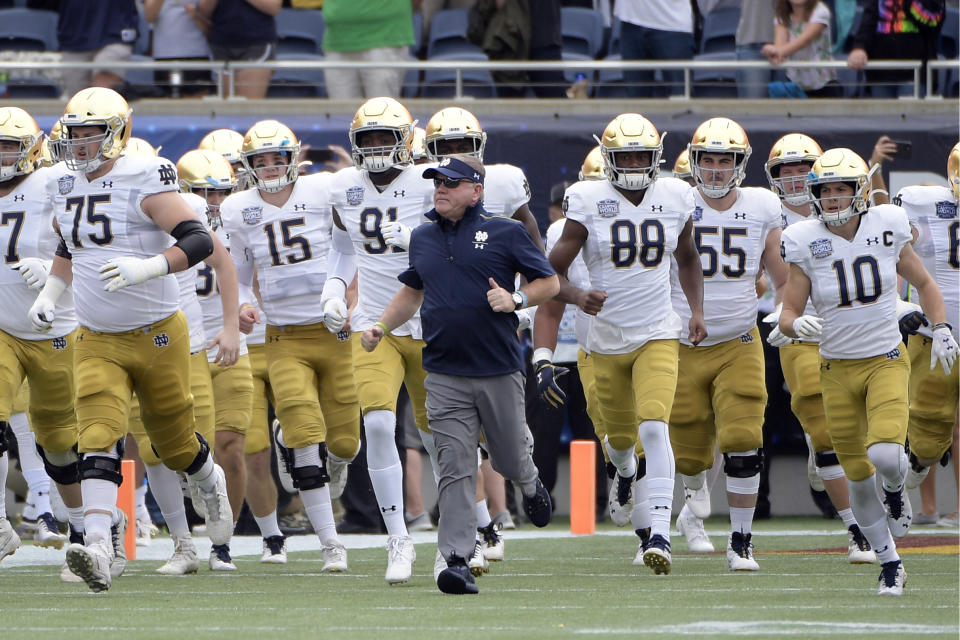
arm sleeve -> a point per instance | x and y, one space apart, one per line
342 262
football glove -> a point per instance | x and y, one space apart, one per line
128 271
334 314
910 317
547 387
41 314
943 350
809 327
777 338
396 234
523 316
34 271
774 316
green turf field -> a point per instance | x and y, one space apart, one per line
547 588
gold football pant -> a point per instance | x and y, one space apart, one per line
800 362
589 381
933 402
396 360
232 395
258 435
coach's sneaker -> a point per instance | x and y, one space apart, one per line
899 513
691 527
118 534
284 458
334 558
644 535
337 468
47 534
859 551
184 559
65 574
893 578
493 545
620 500
146 530
9 540
274 550
214 507
538 507
740 553
220 559
657 555
92 563
456 578
400 558
478 563
698 499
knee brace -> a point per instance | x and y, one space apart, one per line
97 466
3 436
826 459
63 468
201 457
747 466
312 476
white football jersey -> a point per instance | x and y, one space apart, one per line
932 211
627 253
853 285
505 189
26 231
288 245
575 324
731 244
101 219
363 209
790 217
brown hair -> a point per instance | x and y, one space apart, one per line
783 11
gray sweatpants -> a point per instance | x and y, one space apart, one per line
458 410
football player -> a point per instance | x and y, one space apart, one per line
628 226
790 160
115 215
721 391
681 168
932 211
847 260
384 187
229 144
281 230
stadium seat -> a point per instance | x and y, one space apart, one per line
715 82
448 35
30 88
947 45
582 31
411 84
24 29
300 31
297 83
440 83
720 30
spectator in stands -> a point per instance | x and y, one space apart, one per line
801 32
655 30
429 8
103 32
178 35
753 32
367 31
895 30
241 31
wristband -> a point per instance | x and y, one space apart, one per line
542 353
523 297
942 325
383 326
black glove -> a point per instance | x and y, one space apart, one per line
547 387
912 322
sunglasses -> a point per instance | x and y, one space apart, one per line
449 183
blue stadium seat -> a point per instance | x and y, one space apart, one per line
720 30
31 88
411 84
300 31
139 77
297 83
947 45
440 83
448 35
609 82
582 31
24 29
716 82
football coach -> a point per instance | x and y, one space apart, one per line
463 265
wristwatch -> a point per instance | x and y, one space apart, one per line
517 300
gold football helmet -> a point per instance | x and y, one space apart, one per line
839 165
953 170
270 136
791 149
681 168
631 132
455 123
719 135
592 167
381 114
417 145
202 171
101 107
139 147
228 143
50 147
17 126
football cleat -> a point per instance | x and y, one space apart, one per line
9 540
220 559
915 478
740 553
334 558
65 574
92 563
899 513
274 550
657 555
478 563
456 578
859 551
214 508
644 535
492 542
505 520
184 559
698 499
146 530
47 534
620 500
893 578
337 467
400 558
691 527
118 533
538 507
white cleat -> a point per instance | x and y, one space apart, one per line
220 559
858 549
899 512
493 545
337 468
644 535
118 535
400 558
691 527
620 500
915 478
92 563
9 540
478 563
439 564
214 508
698 499
893 578
740 553
334 558
184 559
47 534
274 550
146 530
68 576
